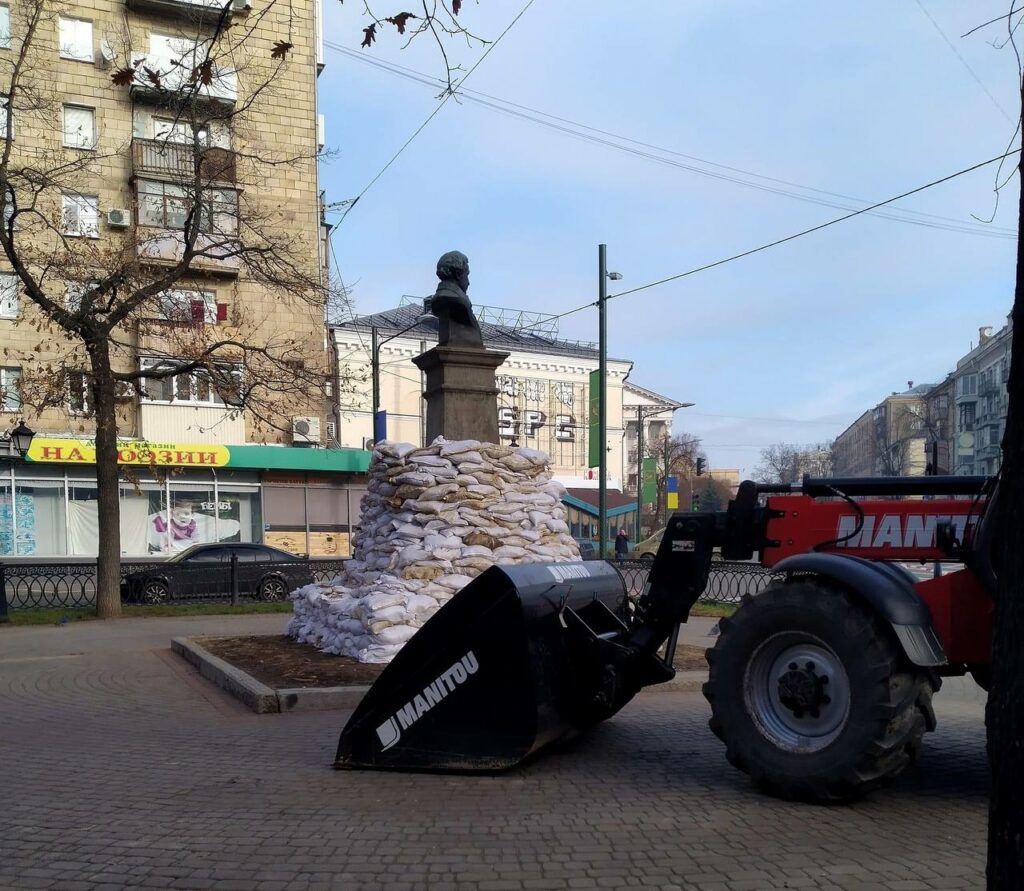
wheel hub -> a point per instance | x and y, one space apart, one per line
802 690
797 691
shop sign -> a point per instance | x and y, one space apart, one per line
47 450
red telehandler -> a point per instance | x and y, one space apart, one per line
820 686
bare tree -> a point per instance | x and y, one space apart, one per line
900 430
101 303
785 463
676 456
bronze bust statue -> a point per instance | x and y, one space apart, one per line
457 326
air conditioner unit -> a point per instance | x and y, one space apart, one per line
368 443
332 431
306 430
119 218
239 6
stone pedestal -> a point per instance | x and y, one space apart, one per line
461 395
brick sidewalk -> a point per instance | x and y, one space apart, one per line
123 768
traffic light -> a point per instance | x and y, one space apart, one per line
695 502
701 462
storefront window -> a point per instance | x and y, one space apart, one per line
140 505
83 519
6 519
39 507
239 511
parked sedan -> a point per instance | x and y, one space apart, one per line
205 570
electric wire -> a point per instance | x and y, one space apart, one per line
812 229
441 104
771 185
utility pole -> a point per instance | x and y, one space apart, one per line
639 470
602 411
375 373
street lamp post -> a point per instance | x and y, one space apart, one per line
378 420
603 275
18 442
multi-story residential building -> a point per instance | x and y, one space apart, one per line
981 402
888 440
940 425
133 144
543 387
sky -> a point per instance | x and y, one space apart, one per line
866 100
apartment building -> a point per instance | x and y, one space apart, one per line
888 440
981 402
154 111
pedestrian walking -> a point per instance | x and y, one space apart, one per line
621 545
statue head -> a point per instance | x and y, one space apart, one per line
454 266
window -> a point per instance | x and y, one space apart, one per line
189 306
74 292
82 215
166 205
219 212
10 398
5 27
8 295
197 387
967 416
967 385
1004 370
79 395
162 204
179 131
75 36
79 127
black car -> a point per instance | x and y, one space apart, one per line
204 571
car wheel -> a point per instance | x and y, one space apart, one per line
647 556
154 591
272 588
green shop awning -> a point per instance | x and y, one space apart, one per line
258 457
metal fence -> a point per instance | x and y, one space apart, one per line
727 582
67 585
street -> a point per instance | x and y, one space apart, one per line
123 768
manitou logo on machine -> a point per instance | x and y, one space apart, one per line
390 732
896 530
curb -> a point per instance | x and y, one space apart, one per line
245 688
257 695
265 700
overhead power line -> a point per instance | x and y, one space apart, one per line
817 228
441 104
667 157
963 61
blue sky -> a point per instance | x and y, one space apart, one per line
865 99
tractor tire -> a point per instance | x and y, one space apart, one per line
812 694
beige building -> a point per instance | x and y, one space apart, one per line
889 440
981 402
543 386
655 412
247 127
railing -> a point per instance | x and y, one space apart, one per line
69 585
162 157
728 581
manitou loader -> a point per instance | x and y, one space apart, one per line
820 686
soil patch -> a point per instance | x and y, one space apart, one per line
280 662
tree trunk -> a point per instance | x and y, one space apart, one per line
108 503
1004 714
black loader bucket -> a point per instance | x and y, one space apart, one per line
519 658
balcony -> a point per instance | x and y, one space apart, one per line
203 9
172 80
176 160
164 246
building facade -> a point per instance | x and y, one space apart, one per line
889 440
981 402
655 412
138 148
543 386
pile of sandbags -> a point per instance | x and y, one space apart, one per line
433 519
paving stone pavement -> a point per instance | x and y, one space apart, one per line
122 768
